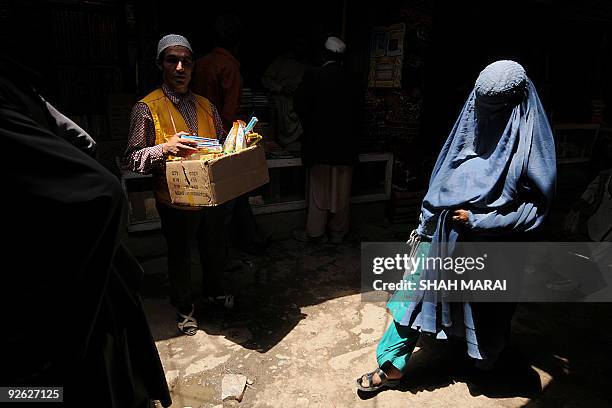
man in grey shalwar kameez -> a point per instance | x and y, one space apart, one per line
324 104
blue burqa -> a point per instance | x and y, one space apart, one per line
499 164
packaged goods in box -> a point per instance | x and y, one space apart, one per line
216 180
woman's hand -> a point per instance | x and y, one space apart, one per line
462 216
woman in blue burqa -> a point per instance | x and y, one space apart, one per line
493 181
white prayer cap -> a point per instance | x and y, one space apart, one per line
334 44
171 40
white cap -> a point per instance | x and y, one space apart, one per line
171 40
334 44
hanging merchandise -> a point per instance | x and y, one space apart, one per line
386 56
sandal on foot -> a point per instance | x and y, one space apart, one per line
189 325
385 382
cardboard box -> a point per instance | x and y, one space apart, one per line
216 181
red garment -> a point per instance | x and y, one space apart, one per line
217 77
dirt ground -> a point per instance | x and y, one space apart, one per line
301 334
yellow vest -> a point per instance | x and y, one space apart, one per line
165 118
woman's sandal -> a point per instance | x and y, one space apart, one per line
189 325
385 382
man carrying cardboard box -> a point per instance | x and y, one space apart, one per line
158 122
